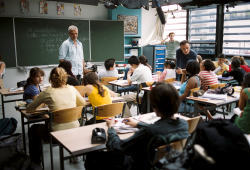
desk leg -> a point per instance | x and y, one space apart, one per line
148 101
3 106
23 131
61 158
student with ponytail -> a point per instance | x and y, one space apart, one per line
98 94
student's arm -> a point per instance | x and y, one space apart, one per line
63 50
190 85
243 100
2 67
40 99
129 76
112 94
79 99
163 75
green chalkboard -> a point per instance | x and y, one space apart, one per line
7 47
107 40
38 40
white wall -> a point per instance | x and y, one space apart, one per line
148 22
12 9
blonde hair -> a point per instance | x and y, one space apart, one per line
58 77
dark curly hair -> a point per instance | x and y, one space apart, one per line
246 81
235 63
193 68
208 65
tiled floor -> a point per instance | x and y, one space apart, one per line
11 112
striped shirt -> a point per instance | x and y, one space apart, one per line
207 78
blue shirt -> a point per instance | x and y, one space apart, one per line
30 92
182 59
68 51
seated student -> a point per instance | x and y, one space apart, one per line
193 81
2 67
243 64
220 65
32 88
199 59
67 66
207 76
132 153
58 96
243 120
143 60
98 94
110 70
169 71
141 74
237 72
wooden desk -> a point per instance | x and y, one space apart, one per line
120 83
213 103
225 79
176 84
6 93
37 116
78 140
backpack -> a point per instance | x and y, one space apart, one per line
7 126
224 142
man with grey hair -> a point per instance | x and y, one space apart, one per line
72 50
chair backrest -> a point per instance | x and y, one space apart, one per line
109 110
161 150
80 89
67 115
194 90
170 80
215 86
192 124
106 80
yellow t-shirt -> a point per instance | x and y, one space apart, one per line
97 100
224 68
57 99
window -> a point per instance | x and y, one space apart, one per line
202 29
236 40
175 21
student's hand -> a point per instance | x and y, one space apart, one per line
179 71
110 122
183 71
163 41
131 122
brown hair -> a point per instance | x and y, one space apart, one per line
242 60
92 78
58 77
34 72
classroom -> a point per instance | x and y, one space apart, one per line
150 81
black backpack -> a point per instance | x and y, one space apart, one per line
12 156
7 126
222 140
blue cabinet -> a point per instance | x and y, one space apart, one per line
156 56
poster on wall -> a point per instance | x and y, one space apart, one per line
2 6
24 6
77 10
130 23
60 8
43 7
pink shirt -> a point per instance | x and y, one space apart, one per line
207 78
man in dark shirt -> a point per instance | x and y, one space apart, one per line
183 55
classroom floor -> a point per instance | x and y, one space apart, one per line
11 112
